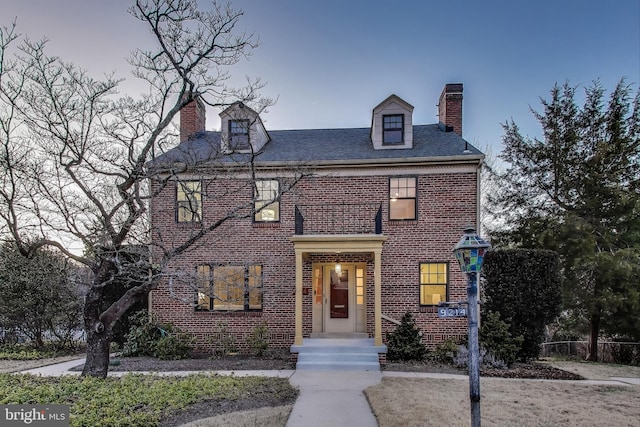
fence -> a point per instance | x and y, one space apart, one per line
342 218
626 353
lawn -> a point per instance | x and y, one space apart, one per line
138 400
531 403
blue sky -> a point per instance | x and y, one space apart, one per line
330 62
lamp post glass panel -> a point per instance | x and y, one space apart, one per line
470 252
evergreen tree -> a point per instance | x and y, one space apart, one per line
405 343
576 191
38 297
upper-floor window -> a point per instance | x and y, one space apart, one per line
189 201
393 129
434 280
266 202
239 134
229 287
402 197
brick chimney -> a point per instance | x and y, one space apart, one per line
192 119
450 108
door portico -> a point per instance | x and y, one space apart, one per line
305 245
338 294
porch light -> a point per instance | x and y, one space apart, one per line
470 252
338 269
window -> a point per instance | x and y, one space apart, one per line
239 134
266 204
433 282
229 287
203 281
402 198
189 201
393 129
360 286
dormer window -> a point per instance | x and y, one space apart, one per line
242 130
393 129
239 134
392 125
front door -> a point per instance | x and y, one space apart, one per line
339 303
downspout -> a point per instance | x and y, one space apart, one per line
478 197
479 228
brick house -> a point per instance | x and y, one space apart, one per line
331 232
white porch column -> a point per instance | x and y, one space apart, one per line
377 309
298 338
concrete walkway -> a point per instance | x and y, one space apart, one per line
333 399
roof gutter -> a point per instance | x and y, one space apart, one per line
464 159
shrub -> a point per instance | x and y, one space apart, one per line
259 339
161 340
446 351
141 337
625 354
174 346
485 359
30 351
225 344
496 339
405 343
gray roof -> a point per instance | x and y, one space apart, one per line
331 146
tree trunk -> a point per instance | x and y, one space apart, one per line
594 331
97 364
98 334
98 324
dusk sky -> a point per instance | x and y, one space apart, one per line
330 62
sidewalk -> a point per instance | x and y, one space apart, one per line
64 369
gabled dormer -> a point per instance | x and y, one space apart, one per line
392 124
242 130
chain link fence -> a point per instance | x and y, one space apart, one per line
624 353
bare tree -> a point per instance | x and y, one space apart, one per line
75 152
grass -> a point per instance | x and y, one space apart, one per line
593 370
133 400
435 402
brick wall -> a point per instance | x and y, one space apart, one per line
446 203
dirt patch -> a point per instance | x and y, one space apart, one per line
275 361
517 370
267 417
258 405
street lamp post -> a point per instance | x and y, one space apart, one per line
470 252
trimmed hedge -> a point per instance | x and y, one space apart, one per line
523 285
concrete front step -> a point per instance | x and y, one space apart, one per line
341 357
338 366
323 335
338 353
